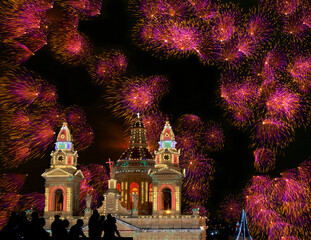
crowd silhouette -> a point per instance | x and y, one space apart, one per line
19 227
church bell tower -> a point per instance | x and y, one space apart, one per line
167 175
62 179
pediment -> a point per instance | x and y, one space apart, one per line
57 172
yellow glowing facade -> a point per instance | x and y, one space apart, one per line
62 179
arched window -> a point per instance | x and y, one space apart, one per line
134 188
166 199
59 200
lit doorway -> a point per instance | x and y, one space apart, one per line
59 200
166 199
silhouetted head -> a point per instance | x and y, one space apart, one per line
80 222
65 223
109 216
56 217
95 212
34 215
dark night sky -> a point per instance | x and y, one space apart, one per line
193 90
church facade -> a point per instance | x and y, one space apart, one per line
62 179
140 183
154 182
166 176
144 190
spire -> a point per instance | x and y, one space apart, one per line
64 140
64 134
167 137
138 134
138 145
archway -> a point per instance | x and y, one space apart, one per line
166 199
134 189
59 200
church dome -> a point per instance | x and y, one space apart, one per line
136 153
138 145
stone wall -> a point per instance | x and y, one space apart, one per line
164 222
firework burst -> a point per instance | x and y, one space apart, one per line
300 70
226 23
83 136
12 182
264 159
294 27
212 137
189 123
69 46
34 201
148 10
107 66
19 89
48 95
17 153
153 123
204 9
234 51
75 116
42 136
285 104
136 95
272 132
230 209
260 25
285 7
240 96
279 208
99 178
270 64
84 8
199 173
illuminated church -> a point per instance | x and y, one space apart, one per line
156 181
144 190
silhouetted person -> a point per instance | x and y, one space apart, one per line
56 227
110 228
76 231
102 224
63 233
34 220
41 234
34 227
94 226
